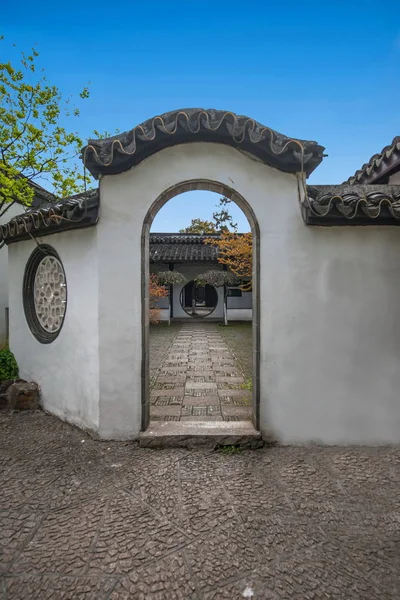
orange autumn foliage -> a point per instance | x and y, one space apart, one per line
236 252
156 292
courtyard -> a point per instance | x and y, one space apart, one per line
83 519
200 371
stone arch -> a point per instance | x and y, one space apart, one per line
163 198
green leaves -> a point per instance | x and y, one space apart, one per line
199 226
34 144
8 365
223 218
84 93
222 221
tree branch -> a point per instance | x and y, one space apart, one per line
9 205
25 125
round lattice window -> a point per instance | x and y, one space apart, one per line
45 294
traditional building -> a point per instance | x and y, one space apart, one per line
190 255
325 295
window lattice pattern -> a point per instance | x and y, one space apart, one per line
50 294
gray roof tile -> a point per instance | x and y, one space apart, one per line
124 151
379 166
181 247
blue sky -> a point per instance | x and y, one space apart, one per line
327 71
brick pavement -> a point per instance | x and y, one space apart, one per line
89 520
198 378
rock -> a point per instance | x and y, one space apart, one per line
5 384
21 395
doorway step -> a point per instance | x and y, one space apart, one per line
195 434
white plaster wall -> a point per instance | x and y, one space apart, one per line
242 302
126 199
330 339
164 314
67 369
11 212
395 178
191 272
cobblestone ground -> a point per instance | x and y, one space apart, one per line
197 378
89 520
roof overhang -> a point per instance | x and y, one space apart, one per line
76 212
182 248
126 150
380 166
352 205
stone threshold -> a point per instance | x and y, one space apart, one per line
195 434
189 320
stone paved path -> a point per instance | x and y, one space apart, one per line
161 338
88 520
199 378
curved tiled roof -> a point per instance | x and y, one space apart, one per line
352 205
181 238
123 151
74 212
379 166
181 247
323 205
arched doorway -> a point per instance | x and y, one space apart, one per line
188 296
260 169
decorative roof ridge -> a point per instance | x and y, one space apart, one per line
184 238
378 165
181 238
77 211
360 189
123 151
352 204
41 194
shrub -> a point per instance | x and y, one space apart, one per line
170 277
8 365
156 291
217 278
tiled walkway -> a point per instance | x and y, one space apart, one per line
199 378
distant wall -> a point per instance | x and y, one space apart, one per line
191 271
239 314
11 212
239 307
243 301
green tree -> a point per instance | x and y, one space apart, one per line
35 146
199 226
222 221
